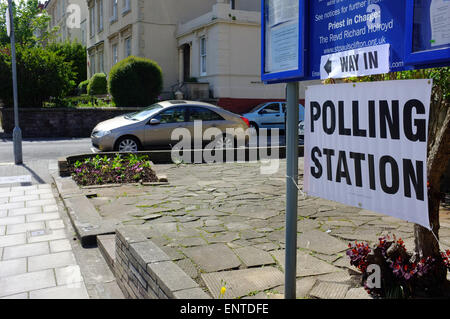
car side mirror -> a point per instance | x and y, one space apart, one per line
154 122
263 112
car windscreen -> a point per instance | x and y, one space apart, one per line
146 113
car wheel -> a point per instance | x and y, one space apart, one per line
224 141
127 145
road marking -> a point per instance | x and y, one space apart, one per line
15 179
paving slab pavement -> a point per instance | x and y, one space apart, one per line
221 219
36 261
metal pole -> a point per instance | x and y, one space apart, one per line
17 133
291 189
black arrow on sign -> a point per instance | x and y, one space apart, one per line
328 66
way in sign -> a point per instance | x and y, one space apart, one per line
351 63
364 61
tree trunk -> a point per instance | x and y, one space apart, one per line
438 161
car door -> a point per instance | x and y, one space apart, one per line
160 133
208 119
301 113
270 116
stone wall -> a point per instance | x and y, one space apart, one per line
144 271
58 122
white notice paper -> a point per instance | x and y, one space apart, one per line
440 22
366 146
282 35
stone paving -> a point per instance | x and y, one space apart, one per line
36 257
224 224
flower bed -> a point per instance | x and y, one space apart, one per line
403 275
121 169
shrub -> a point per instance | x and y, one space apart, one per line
82 87
75 54
41 74
98 84
135 82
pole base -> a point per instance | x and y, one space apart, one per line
17 139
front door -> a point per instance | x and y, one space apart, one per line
186 62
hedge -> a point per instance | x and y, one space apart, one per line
98 84
135 82
41 74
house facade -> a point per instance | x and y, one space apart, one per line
71 18
214 42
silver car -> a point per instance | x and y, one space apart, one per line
153 126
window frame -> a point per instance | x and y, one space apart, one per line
92 21
185 114
100 16
127 46
114 11
115 53
203 56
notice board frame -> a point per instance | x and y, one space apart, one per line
421 59
290 75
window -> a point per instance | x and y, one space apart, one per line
92 19
101 67
127 47
203 55
271 109
114 10
100 15
198 113
115 56
233 4
126 6
92 61
173 115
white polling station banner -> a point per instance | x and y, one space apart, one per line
366 146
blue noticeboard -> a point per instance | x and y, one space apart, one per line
412 34
427 38
337 26
282 29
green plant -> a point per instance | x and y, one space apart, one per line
41 74
82 87
135 82
31 23
403 275
120 169
97 84
75 54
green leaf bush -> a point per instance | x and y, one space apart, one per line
41 74
135 82
75 54
98 85
82 87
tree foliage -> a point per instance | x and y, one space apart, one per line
41 74
31 23
75 54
